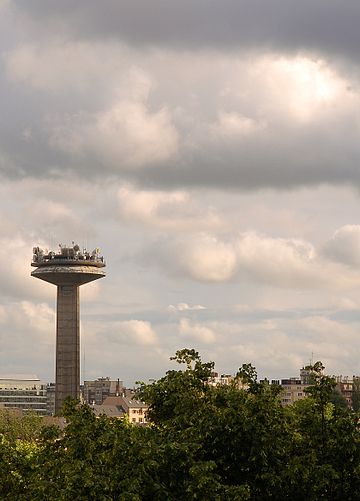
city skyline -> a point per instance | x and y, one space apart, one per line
212 151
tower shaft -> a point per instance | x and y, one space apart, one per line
67 344
68 269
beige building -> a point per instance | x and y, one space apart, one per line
134 409
345 386
224 379
293 390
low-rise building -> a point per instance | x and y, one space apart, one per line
111 411
133 408
224 379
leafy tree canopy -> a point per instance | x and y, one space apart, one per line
205 441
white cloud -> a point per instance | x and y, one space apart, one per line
166 210
119 128
307 87
27 337
208 259
185 307
301 87
134 332
282 261
39 317
328 328
234 126
146 205
253 257
196 332
125 136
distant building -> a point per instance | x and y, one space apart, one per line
133 408
305 375
224 379
294 387
23 392
111 411
50 398
293 390
345 386
95 392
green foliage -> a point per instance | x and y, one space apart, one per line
356 394
325 449
338 399
18 448
210 442
21 426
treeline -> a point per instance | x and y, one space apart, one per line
204 443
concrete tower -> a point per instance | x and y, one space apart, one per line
67 269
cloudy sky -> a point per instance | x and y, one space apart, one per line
211 150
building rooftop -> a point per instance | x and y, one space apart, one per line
124 401
19 377
70 256
108 410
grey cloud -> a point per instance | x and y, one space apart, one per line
326 25
281 158
268 122
344 246
298 160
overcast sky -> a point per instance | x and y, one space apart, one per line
211 150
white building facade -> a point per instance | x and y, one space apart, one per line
23 392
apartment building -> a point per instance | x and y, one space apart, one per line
293 390
95 392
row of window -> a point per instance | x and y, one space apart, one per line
35 407
26 388
134 411
22 399
22 392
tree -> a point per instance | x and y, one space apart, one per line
230 430
356 394
233 442
15 425
325 449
